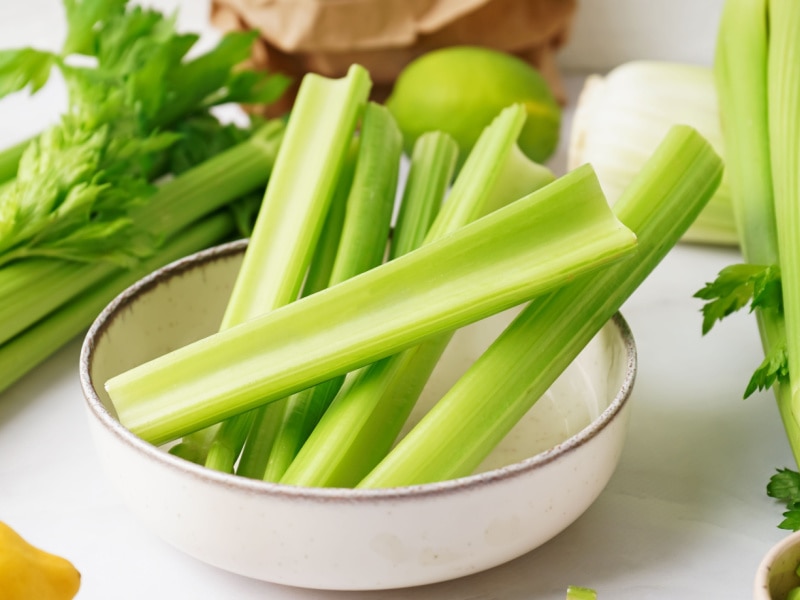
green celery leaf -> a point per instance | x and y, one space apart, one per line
84 19
774 368
735 287
785 486
24 67
791 518
252 87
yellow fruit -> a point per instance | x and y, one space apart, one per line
460 89
28 573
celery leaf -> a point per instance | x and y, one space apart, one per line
24 67
784 486
735 287
774 368
84 19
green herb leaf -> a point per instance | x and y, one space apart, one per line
774 368
24 67
84 19
785 486
735 287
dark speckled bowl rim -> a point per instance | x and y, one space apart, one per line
153 453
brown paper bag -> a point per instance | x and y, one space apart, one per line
327 36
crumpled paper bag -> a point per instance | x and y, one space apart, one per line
327 36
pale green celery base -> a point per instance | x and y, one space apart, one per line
492 264
25 351
480 409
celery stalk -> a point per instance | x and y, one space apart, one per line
740 69
363 243
783 93
292 214
496 262
363 422
20 354
433 163
49 284
261 435
31 289
478 411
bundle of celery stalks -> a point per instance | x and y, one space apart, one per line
136 173
284 392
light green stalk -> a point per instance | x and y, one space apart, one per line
363 422
433 163
740 69
502 385
783 93
431 168
292 214
362 246
499 261
50 284
27 350
31 289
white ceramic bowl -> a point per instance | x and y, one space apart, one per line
777 574
539 480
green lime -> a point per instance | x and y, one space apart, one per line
460 89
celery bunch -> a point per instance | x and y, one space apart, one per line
506 233
82 205
757 69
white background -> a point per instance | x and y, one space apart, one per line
685 515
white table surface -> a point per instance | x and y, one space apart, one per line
684 516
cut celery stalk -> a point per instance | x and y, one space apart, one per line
433 163
783 93
298 195
480 409
20 354
432 166
363 422
321 267
362 246
261 436
292 214
496 262
30 289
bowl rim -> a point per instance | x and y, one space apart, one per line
471 482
